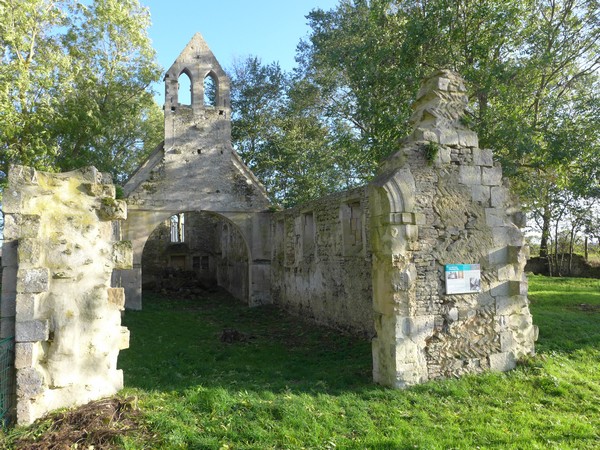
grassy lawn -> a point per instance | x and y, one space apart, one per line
286 384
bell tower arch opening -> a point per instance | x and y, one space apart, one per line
211 90
185 88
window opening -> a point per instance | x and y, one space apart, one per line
184 93
352 228
210 90
177 227
308 235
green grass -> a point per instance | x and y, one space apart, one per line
298 386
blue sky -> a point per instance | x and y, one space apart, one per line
269 29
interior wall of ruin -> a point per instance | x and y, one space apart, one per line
321 261
59 254
213 252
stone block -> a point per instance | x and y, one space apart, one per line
420 328
499 196
27 306
467 138
25 354
124 338
9 253
111 209
469 175
12 202
507 272
17 226
501 289
518 255
495 217
507 342
411 232
448 136
501 362
33 280
29 252
8 305
499 256
420 219
491 176
507 235
122 255
22 176
506 306
480 194
116 297
30 383
483 157
444 156
421 134
518 287
99 190
408 218
25 415
32 331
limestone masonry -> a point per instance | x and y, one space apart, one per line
371 261
57 300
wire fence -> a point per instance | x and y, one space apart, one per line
7 380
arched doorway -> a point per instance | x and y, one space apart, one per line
195 251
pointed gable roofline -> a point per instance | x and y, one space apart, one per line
197 61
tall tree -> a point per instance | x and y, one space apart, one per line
75 85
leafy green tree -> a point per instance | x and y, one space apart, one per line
531 66
75 85
279 132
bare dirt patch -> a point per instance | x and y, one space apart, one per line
96 425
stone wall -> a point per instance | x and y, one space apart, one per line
59 253
441 200
196 169
321 261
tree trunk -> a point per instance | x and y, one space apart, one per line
545 233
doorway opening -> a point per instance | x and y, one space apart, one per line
194 252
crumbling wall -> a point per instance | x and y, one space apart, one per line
321 261
196 169
59 254
441 200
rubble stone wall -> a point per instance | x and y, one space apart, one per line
321 261
59 254
441 200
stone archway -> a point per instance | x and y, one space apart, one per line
195 251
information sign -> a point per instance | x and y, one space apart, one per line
463 278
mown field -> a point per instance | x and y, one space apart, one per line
284 384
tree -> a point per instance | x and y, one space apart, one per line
75 85
531 66
279 132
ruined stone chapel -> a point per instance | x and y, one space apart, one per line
426 261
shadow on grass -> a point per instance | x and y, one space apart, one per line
176 344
